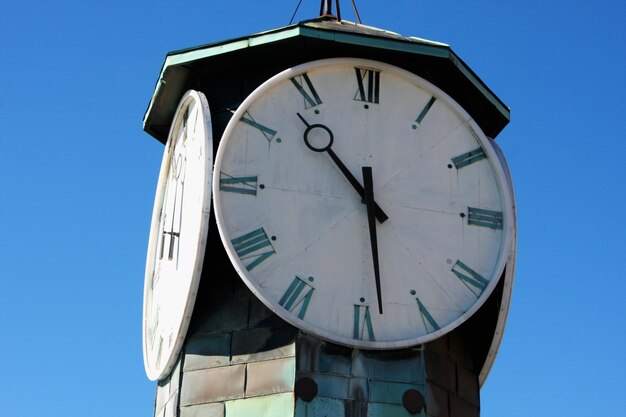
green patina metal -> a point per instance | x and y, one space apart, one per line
309 101
314 39
267 132
359 328
239 185
468 158
292 297
475 282
484 218
425 110
248 245
426 316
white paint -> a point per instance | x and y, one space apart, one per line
319 221
182 205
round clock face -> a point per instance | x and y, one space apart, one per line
178 235
362 204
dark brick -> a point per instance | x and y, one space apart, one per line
467 386
459 350
437 401
461 408
440 369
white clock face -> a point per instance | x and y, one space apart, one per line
387 265
178 235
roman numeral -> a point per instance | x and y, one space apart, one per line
427 317
266 131
425 110
363 323
368 82
468 158
475 282
484 218
239 185
254 246
302 88
298 294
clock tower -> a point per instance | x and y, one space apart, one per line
334 227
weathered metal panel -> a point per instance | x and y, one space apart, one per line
320 407
400 366
437 401
467 386
207 351
278 405
389 392
270 377
389 410
263 343
461 408
228 315
203 410
211 385
332 386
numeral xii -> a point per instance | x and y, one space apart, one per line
368 82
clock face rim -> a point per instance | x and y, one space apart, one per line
499 175
206 143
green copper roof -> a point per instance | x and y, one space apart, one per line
315 39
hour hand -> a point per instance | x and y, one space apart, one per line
326 146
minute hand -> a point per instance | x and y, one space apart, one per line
380 214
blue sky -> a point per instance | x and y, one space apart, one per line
78 176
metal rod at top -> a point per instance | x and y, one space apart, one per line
326 8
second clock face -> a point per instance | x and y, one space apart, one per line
362 204
178 235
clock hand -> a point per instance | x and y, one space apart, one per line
380 214
368 184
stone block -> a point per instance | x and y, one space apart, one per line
461 408
263 343
270 377
320 407
213 384
437 401
440 369
467 386
207 351
277 405
390 392
203 410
